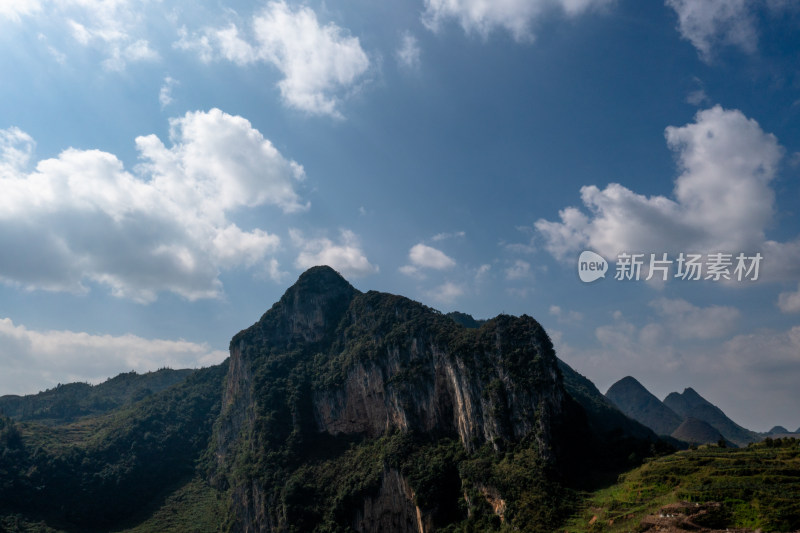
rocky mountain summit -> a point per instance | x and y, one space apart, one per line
329 372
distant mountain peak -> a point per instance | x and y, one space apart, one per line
691 404
633 399
629 381
689 392
777 430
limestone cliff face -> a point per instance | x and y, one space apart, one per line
327 361
435 385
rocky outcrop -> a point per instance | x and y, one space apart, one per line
329 362
428 387
392 509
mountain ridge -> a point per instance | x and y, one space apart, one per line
633 399
68 402
691 404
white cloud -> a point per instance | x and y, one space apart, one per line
789 302
198 44
711 23
408 53
446 293
14 9
697 97
16 150
519 270
346 257
423 256
482 272
565 316
722 200
318 63
165 93
686 321
116 28
515 16
445 235
34 360
81 217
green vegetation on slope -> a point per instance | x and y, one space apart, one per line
66 403
102 470
758 487
449 485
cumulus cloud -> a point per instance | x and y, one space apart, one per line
408 53
711 23
82 217
789 302
346 257
446 293
515 16
722 200
34 360
423 256
318 62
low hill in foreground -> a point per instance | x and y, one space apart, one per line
744 489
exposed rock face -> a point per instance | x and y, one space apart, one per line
329 360
637 402
392 509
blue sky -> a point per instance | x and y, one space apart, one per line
168 168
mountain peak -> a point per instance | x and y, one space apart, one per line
633 399
778 430
689 392
320 277
308 310
629 381
691 404
317 284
